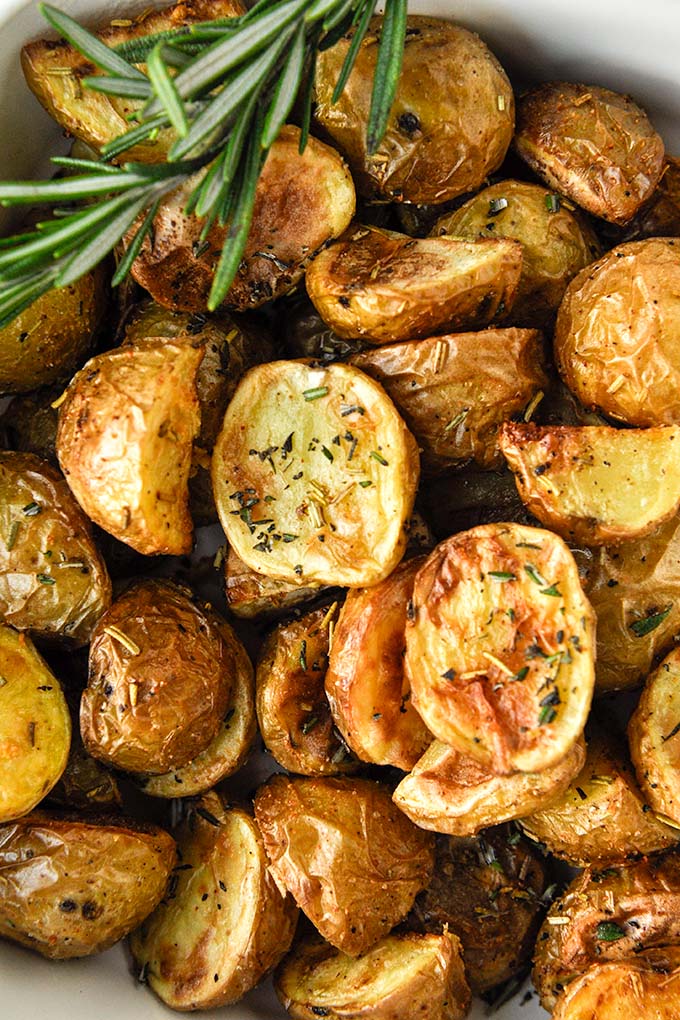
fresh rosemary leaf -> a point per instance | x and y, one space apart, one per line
307 93
357 39
387 70
286 90
30 290
166 93
83 186
137 50
70 163
125 264
126 88
87 44
339 16
134 136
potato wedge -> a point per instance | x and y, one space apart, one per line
255 596
660 217
595 485
643 987
402 975
500 647
314 475
352 861
382 287
449 792
610 350
455 391
125 438
223 923
72 887
591 144
367 689
653 738
35 726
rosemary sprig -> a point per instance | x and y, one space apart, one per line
225 87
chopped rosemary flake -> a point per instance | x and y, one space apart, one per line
327 454
122 639
315 393
288 538
522 673
346 409
379 457
287 446
449 674
552 590
3 681
497 205
551 699
649 623
45 579
552 203
12 537
303 656
609 931
32 510
546 715
458 420
534 574
676 729
309 724
502 575
527 545
365 483
208 816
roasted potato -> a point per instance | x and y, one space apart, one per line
451 122
308 336
660 217
489 892
455 391
653 738
301 203
601 817
85 784
450 792
314 475
53 581
591 144
367 689
72 887
126 430
251 595
616 338
402 975
292 708
161 669
595 485
29 424
352 861
382 287
500 647
223 923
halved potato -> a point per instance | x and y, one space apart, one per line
595 484
450 792
402 975
72 887
255 596
352 861
500 647
35 726
660 217
314 475
591 144
455 391
366 685
654 742
126 430
643 987
383 287
223 923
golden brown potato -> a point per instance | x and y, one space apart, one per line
451 122
301 203
611 349
255 596
35 727
292 708
402 975
72 887
382 287
54 72
53 581
367 688
556 241
595 485
352 861
447 791
499 647
591 144
29 424
660 217
126 430
653 738
602 816
644 987
608 915
314 475
160 673
224 923
455 391
489 892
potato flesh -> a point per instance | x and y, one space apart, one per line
653 738
644 987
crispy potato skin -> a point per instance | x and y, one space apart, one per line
301 203
125 440
53 581
612 351
660 217
156 709
367 688
449 792
455 391
494 609
451 122
352 861
407 974
255 596
591 144
382 287
72 887
643 987
653 738
225 917
595 485
91 116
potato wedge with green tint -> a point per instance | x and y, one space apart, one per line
595 485
402 975
255 596
653 738
35 726
314 475
224 923
500 647
643 986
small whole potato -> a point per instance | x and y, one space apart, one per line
642 986
653 738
